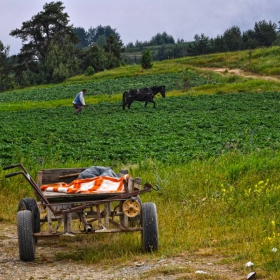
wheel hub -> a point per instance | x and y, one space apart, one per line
131 208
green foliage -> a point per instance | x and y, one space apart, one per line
106 86
186 81
100 34
233 38
161 39
6 66
59 63
94 57
146 61
108 56
201 45
113 50
264 59
181 129
265 33
90 71
82 35
48 45
60 73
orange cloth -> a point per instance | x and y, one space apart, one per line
99 184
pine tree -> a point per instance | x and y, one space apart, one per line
146 60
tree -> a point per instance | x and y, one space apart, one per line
265 33
59 63
233 38
82 35
161 39
219 44
277 41
6 68
249 39
164 53
93 35
113 50
39 35
130 45
180 50
146 60
101 41
201 44
93 56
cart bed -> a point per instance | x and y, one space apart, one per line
67 175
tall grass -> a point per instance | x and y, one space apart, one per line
226 205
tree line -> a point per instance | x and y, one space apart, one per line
53 50
264 34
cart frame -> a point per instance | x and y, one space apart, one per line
97 213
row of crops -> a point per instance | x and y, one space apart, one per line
109 86
178 130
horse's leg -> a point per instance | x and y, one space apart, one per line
129 104
154 103
147 100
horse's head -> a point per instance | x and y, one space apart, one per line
162 91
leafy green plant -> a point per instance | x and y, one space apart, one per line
89 71
146 60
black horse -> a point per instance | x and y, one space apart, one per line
142 94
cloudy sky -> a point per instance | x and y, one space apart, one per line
142 19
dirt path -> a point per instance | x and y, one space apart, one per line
239 72
46 267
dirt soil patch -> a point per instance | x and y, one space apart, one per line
239 72
184 266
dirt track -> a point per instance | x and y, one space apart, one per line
239 72
46 266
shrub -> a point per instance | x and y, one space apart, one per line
146 60
90 71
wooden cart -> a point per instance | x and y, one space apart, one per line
97 212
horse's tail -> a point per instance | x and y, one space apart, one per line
124 100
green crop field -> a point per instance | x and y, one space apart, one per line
178 130
212 147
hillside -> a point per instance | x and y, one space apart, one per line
211 146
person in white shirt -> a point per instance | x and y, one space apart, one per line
79 101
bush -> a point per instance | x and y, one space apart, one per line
60 73
90 71
146 60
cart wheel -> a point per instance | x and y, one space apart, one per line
150 227
134 221
26 241
29 203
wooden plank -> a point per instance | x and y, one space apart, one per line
130 184
56 197
137 183
50 176
69 175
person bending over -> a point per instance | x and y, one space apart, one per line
79 101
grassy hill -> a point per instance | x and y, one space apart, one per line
212 146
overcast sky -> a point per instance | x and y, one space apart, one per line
142 19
